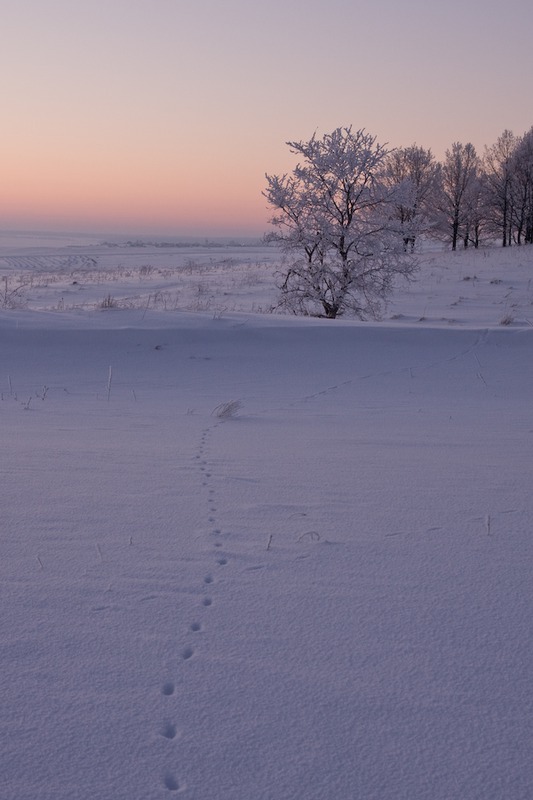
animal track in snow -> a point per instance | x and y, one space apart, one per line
171 783
169 731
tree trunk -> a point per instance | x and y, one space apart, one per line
455 234
330 310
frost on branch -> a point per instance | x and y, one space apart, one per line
334 220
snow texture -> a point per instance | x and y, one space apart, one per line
257 556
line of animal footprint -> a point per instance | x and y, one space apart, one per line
169 730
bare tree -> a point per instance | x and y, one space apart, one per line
523 189
498 164
333 217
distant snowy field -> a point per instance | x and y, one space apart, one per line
485 287
248 556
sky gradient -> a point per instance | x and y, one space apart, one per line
162 116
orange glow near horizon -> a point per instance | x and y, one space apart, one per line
115 196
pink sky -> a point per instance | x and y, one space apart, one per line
162 116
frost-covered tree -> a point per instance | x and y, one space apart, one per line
458 175
417 169
474 217
334 219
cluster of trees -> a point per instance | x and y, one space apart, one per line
350 214
469 198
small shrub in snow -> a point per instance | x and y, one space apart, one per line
312 536
227 410
108 302
12 297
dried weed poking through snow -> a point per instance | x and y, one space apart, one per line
227 410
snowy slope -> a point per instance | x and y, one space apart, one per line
323 597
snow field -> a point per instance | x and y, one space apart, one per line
487 287
324 596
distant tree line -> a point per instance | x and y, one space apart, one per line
350 215
468 199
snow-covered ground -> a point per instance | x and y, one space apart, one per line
255 557
485 287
